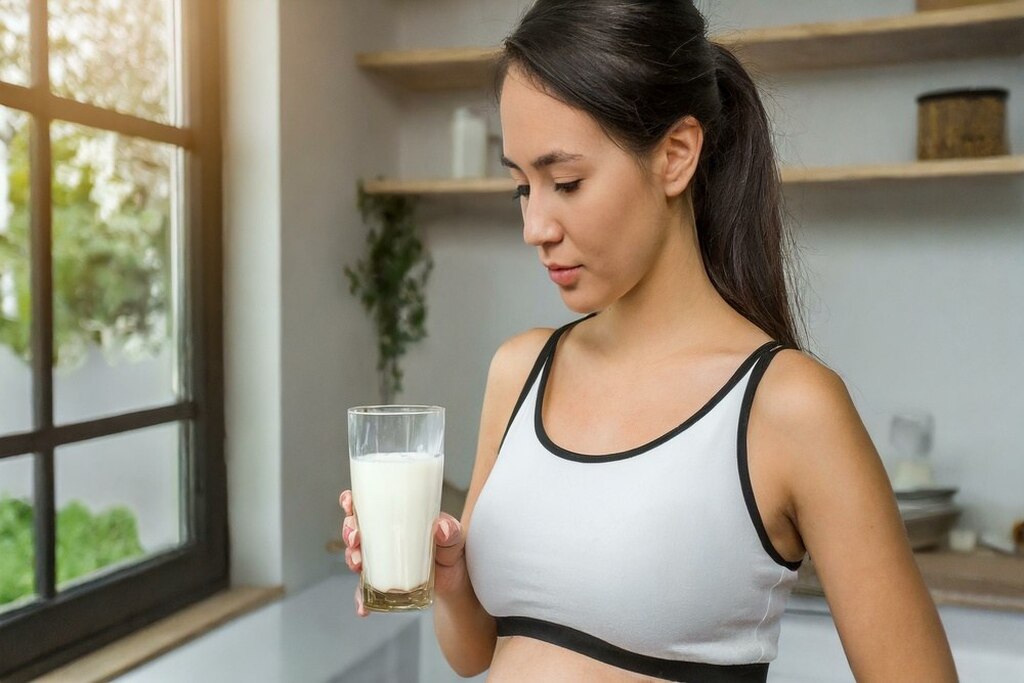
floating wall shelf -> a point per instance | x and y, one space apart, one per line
995 30
947 168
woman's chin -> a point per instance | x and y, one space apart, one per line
579 304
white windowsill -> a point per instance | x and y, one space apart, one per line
163 636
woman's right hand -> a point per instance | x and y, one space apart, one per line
353 553
449 552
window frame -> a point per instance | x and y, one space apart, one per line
58 627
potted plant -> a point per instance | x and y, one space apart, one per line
390 282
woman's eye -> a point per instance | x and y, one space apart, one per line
524 190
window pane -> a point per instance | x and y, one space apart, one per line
17 545
116 54
115 272
118 500
14 41
15 305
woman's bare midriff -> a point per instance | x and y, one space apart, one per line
518 658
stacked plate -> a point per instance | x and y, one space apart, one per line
928 515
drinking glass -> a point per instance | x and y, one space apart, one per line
396 458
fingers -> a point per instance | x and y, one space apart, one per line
345 499
349 530
354 559
353 555
449 539
360 607
350 533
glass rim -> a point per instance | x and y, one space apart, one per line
396 409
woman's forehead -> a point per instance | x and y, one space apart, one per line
531 118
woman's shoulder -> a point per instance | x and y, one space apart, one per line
517 355
799 379
802 396
509 371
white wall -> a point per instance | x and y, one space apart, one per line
252 288
297 136
335 128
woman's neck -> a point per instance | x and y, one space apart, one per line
674 309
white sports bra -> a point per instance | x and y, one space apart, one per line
654 560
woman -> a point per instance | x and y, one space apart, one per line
610 541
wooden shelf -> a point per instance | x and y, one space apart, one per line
994 30
916 170
441 69
981 579
441 186
920 170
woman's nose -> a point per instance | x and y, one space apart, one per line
539 226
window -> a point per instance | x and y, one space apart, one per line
112 478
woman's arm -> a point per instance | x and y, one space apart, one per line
465 632
844 508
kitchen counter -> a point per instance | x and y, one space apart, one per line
981 579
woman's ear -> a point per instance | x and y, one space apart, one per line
677 155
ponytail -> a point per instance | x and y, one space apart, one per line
738 206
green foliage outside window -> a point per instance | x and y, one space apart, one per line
85 544
110 193
110 274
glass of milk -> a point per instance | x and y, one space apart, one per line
396 456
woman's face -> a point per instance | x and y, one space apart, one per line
586 203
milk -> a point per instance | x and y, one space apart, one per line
397 497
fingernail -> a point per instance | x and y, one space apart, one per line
356 556
352 536
446 531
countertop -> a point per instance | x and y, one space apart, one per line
981 579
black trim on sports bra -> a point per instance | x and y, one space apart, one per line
595 648
537 364
554 448
741 460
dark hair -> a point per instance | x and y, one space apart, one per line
638 67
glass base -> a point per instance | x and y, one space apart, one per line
420 597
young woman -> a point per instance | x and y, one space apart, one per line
649 477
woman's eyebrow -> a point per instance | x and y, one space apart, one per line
555 157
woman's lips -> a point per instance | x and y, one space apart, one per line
564 276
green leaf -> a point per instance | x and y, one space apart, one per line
85 543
